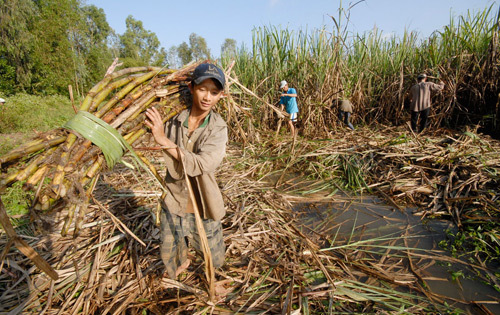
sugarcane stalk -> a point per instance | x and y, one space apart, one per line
174 95
91 155
77 156
8 180
116 111
136 121
17 154
23 146
84 147
148 97
83 208
139 111
45 203
83 154
146 103
59 172
95 167
33 166
104 82
133 95
69 219
134 82
103 94
36 177
79 220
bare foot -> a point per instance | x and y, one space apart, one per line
182 267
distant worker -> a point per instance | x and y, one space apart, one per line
421 101
288 100
2 101
345 111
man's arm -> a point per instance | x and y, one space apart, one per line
437 87
294 94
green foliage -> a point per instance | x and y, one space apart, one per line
140 47
90 40
228 48
196 50
8 75
48 44
16 43
26 113
475 240
184 52
199 47
53 66
16 200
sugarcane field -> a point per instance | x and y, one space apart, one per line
317 171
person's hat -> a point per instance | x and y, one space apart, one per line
208 71
422 76
282 84
2 100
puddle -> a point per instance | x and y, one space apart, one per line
349 220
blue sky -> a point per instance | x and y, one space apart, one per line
174 21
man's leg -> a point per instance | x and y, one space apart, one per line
414 119
292 127
173 247
292 121
423 119
347 120
213 229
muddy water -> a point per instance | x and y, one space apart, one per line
347 220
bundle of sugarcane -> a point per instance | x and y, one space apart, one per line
61 166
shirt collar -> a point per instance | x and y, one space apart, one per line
205 121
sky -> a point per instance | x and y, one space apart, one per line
174 21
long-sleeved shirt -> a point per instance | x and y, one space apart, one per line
203 153
346 106
421 95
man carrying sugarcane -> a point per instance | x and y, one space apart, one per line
194 143
421 101
288 100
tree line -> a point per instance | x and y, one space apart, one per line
46 45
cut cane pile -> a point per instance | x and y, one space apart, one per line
62 167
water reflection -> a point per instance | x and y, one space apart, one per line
369 224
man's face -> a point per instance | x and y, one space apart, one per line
285 88
205 95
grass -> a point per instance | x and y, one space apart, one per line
28 113
16 202
22 116
10 141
